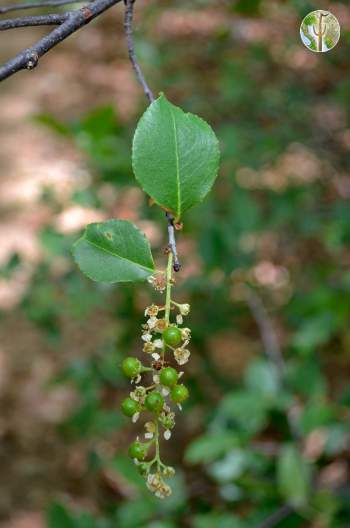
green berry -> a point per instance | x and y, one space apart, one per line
172 336
154 402
168 376
131 367
129 407
179 393
137 450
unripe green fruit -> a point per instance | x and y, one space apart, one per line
131 367
172 336
137 450
179 393
154 402
168 376
129 407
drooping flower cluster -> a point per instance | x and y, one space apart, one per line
165 392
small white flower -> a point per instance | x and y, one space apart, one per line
184 309
152 311
158 343
168 471
148 436
179 319
165 391
186 333
155 356
181 355
148 347
158 281
138 378
150 427
146 337
156 484
135 417
167 434
156 379
152 322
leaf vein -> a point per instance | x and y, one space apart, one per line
177 165
119 256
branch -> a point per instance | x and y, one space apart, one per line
29 57
40 20
267 331
271 346
172 242
274 519
45 3
128 18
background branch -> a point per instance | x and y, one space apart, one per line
278 516
271 346
39 20
32 5
29 57
128 19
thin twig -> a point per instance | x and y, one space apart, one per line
267 331
172 242
274 519
40 20
271 347
29 57
32 5
128 19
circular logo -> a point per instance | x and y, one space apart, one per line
320 31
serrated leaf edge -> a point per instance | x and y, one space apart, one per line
178 213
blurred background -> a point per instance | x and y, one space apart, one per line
265 437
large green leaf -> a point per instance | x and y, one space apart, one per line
114 251
175 156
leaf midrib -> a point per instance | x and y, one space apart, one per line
178 213
118 256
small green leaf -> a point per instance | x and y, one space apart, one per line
114 251
59 517
209 447
175 156
293 476
261 377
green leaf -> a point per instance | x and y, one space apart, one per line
293 476
114 251
223 520
59 517
208 447
230 467
246 408
261 377
175 156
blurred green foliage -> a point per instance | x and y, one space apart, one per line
278 220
